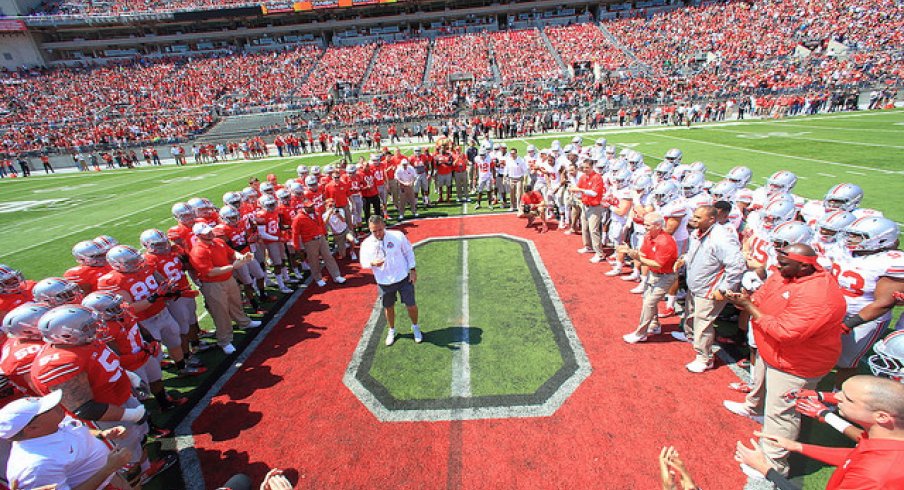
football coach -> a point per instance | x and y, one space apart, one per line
391 257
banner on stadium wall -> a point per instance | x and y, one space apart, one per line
12 25
309 5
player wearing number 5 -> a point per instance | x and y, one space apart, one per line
391 257
869 271
146 291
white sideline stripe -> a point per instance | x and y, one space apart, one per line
461 358
192 475
825 175
819 140
782 155
855 173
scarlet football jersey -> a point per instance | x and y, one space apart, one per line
234 235
56 364
171 267
270 221
16 360
86 276
181 235
140 285
126 336
10 301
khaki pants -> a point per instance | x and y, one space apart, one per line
781 418
224 302
318 249
657 287
516 188
461 185
407 199
701 316
592 226
393 185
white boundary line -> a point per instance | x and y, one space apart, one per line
461 358
192 475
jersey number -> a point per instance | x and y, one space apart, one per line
850 281
142 289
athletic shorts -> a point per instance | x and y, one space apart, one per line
164 328
857 343
422 184
150 371
184 310
485 185
249 272
277 252
403 289
260 252
443 180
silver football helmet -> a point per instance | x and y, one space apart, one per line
790 233
249 194
302 170
22 321
315 170
831 224
108 305
229 215
125 259
740 176
202 207
267 188
183 213
778 211
89 253
642 183
724 190
674 155
846 197
622 178
283 196
635 159
56 291
267 202
311 181
692 184
11 280
698 167
233 199
888 361
781 182
69 325
664 170
665 192
871 234
295 189
155 241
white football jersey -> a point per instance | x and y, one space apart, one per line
676 209
858 274
700 199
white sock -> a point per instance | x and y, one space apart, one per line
280 283
670 300
618 266
415 327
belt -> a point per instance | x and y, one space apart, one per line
318 237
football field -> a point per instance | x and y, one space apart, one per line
494 334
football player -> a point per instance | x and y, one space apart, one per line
870 271
204 210
828 231
56 291
145 291
233 231
92 259
181 233
621 200
692 188
15 290
25 341
668 202
270 231
485 177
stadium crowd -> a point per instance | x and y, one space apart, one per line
683 55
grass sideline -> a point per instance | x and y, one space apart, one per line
54 212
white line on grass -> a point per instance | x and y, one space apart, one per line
818 140
782 155
831 128
855 173
825 175
461 358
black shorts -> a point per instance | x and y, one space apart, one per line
403 288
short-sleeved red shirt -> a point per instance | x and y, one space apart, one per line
663 250
206 256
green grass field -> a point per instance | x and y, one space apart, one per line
45 216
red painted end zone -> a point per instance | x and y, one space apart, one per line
288 408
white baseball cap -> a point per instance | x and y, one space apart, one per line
15 416
202 229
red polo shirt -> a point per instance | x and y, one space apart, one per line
874 464
663 250
306 228
205 256
338 191
799 331
592 182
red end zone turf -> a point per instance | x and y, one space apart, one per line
287 407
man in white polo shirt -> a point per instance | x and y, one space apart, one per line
391 257
49 448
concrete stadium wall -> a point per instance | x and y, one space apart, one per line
18 49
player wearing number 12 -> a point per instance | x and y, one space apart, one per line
391 257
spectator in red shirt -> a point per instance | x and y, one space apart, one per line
796 317
215 261
877 405
658 252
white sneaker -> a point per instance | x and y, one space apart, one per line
680 336
633 277
739 408
655 331
390 337
417 215
339 280
285 290
616 270
321 283
418 336
596 259
228 349
633 338
584 250
698 366
253 324
637 289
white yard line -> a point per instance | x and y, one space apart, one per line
818 140
461 358
832 128
782 155
826 175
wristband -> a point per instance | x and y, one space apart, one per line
152 298
852 321
133 414
837 422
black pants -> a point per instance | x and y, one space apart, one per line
372 202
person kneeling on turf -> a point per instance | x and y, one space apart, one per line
533 204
